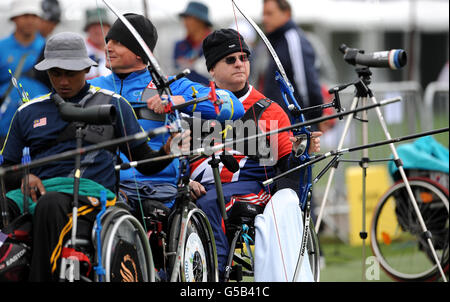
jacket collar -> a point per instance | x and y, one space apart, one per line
131 76
75 99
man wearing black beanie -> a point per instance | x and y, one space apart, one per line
144 26
227 60
221 43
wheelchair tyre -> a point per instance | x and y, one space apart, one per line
198 255
126 253
397 237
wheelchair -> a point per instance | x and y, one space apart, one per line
241 231
118 252
124 254
399 243
145 247
181 240
180 237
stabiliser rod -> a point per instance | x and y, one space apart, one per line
83 150
318 158
209 150
165 129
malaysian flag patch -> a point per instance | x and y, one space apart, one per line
40 122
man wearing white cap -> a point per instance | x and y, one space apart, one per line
19 52
40 125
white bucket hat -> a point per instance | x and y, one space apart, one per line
25 7
67 51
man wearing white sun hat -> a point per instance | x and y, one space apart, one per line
19 51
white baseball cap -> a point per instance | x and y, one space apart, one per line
24 7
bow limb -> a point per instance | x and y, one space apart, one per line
158 76
153 62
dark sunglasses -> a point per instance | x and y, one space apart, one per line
232 60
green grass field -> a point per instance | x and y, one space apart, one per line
343 263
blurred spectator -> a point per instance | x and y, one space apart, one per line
19 53
297 57
96 27
188 52
50 18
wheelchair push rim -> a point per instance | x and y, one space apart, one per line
198 256
126 252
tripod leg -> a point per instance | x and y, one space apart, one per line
76 186
333 169
364 166
408 189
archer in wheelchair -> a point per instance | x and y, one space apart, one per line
240 174
157 200
137 85
50 125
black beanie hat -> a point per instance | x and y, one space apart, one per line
220 44
144 27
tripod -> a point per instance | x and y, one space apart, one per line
76 186
362 95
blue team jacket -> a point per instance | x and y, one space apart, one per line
11 52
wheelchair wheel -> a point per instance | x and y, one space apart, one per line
198 254
397 237
126 253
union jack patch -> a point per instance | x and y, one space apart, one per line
151 85
40 122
